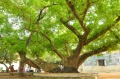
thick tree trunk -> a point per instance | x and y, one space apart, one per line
22 62
21 67
69 65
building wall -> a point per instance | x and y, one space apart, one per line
16 65
96 69
109 59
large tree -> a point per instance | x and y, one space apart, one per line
72 30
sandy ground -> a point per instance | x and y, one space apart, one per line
113 75
8 76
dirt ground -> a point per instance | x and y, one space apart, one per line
8 76
111 75
115 75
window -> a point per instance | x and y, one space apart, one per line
101 62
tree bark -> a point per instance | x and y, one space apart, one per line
22 62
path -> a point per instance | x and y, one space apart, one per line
115 75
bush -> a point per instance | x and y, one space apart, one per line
1 68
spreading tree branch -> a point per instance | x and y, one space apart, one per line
84 56
69 19
40 13
117 37
86 31
71 28
37 21
79 46
103 32
86 9
45 36
66 49
29 39
54 48
71 6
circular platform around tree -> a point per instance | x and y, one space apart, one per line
66 76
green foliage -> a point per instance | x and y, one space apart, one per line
21 18
1 68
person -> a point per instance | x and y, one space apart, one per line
12 69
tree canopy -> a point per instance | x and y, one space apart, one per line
68 30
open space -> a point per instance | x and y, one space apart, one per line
115 75
112 75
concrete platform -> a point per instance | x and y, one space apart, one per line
66 76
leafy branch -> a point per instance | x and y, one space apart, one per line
86 9
103 32
71 28
40 17
71 6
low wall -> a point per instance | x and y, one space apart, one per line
66 76
101 69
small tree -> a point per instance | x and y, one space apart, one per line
7 57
